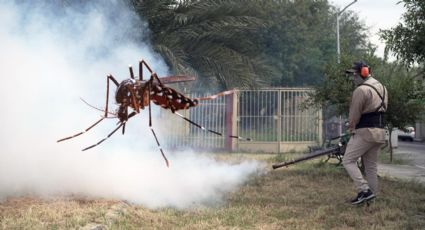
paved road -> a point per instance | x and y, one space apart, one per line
414 154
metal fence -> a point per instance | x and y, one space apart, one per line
275 115
209 114
270 117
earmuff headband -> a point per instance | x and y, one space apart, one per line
364 72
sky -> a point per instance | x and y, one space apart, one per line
376 14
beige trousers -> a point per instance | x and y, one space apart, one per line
358 147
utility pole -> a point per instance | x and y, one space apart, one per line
338 51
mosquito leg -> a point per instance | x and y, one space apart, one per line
109 135
209 130
141 70
131 115
136 104
150 123
197 125
153 74
126 114
109 78
142 62
123 129
149 99
131 71
160 148
149 86
78 134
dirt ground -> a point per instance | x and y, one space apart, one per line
414 169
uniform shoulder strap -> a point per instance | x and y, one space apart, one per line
380 96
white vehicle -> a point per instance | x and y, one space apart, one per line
408 135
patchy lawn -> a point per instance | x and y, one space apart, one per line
309 195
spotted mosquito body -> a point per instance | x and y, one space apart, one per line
137 94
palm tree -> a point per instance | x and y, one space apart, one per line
215 40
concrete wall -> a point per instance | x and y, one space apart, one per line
420 131
275 147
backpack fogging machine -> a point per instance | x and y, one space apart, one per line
331 149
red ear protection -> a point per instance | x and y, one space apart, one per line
364 72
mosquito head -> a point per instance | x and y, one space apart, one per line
123 94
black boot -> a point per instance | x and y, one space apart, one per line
363 196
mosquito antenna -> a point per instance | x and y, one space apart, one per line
94 107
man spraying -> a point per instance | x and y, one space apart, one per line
365 122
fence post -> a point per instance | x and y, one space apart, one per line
229 120
279 120
320 126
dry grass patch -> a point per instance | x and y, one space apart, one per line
310 195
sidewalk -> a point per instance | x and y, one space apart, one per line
414 154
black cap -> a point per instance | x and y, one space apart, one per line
357 66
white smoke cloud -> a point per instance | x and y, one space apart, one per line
50 57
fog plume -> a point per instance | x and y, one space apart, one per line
51 55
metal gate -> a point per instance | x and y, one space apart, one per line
272 118
275 121
210 114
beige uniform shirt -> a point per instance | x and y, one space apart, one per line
366 100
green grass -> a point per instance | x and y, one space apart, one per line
384 157
309 195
